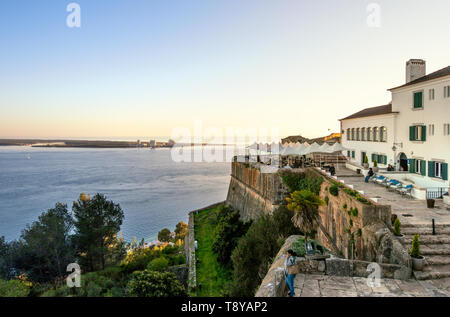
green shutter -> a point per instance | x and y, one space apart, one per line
373 157
380 159
418 100
353 154
430 169
412 132
445 171
424 133
348 153
412 164
423 168
385 160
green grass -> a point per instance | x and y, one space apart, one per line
212 276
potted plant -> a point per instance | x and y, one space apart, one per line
417 258
397 231
430 203
375 166
366 162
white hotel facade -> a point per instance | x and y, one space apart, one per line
412 133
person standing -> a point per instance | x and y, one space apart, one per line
290 270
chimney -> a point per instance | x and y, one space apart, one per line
415 69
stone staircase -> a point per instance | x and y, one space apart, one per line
435 249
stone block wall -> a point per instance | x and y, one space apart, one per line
252 192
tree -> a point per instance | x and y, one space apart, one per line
155 284
229 230
164 235
256 250
97 222
306 217
45 248
181 230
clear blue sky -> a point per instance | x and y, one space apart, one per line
144 67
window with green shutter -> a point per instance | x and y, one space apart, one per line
353 154
445 171
418 99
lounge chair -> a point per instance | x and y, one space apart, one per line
394 185
406 190
381 180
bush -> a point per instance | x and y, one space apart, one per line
375 163
366 160
155 284
415 248
334 190
301 181
397 225
158 264
327 200
14 288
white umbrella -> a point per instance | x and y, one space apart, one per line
324 148
300 150
314 148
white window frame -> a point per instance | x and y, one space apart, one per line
437 169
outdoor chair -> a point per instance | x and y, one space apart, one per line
406 190
382 180
395 184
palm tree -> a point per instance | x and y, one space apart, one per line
305 204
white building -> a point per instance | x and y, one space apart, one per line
412 133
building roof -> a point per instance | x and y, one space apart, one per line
374 111
440 73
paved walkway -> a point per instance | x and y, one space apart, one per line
410 211
335 286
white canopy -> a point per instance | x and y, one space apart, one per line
324 148
314 148
337 147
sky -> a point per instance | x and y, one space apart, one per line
147 67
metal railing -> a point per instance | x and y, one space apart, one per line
436 192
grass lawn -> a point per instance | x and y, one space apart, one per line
210 274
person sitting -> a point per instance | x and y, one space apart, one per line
390 168
369 175
332 170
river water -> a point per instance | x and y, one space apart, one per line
153 190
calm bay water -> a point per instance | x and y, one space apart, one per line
153 191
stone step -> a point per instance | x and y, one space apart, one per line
411 231
428 239
431 275
440 251
437 260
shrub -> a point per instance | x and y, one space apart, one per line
334 190
355 212
397 225
415 248
344 206
366 160
327 200
158 264
302 181
155 284
14 288
375 163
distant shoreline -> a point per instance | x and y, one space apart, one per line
96 144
